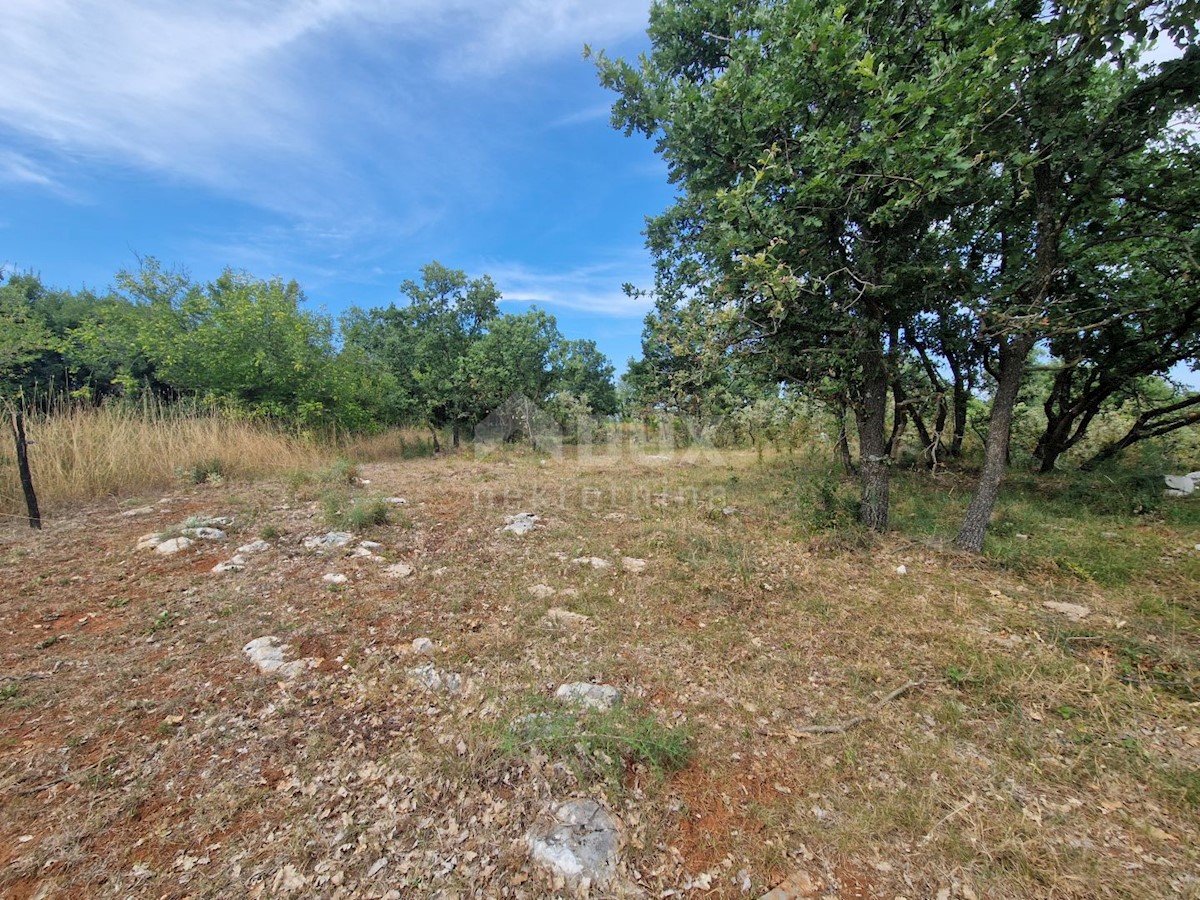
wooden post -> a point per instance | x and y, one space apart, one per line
31 503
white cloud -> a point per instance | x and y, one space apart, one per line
252 96
597 113
18 169
592 289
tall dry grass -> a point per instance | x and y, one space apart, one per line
395 443
79 454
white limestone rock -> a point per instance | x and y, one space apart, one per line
577 840
205 533
594 561
1070 610
235 564
522 523
557 618
435 680
267 653
328 541
173 546
584 695
1182 485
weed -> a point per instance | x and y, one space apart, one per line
46 643
164 619
357 514
10 691
118 603
600 744
209 471
268 532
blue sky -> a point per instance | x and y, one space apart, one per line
343 143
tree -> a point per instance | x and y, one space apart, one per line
856 178
446 314
25 338
239 340
586 374
1078 118
816 149
1139 253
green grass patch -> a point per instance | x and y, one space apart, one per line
600 745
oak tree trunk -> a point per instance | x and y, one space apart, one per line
870 414
1013 352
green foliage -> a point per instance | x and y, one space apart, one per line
600 744
354 513
875 194
210 471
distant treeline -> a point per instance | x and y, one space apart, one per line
443 358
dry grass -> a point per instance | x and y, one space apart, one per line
80 454
1037 758
393 444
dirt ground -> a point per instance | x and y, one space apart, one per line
932 733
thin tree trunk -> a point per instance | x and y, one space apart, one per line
1008 383
843 441
960 394
31 501
870 413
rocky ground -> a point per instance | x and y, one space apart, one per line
629 677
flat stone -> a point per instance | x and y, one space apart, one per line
334 578
395 501
797 886
1070 610
521 523
635 566
1182 483
901 570
584 695
577 840
423 646
541 591
399 570
594 561
254 547
563 618
433 679
174 545
372 546
267 653
208 522
134 513
150 541
204 533
236 564
328 540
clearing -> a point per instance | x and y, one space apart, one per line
867 717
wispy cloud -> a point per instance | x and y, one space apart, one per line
595 289
246 96
16 168
598 113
